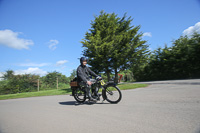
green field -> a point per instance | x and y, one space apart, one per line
61 92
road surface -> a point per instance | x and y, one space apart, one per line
162 107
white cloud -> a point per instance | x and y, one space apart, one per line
31 70
33 64
60 63
52 44
10 39
147 34
1 75
189 31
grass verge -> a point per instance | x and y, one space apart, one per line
61 92
131 86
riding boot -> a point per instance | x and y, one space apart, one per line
96 95
96 92
88 93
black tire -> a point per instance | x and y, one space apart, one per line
79 95
113 94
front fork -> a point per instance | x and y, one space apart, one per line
104 90
104 93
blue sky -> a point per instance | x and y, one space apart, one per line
40 36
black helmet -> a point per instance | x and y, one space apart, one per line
83 59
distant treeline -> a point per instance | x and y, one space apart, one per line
30 83
180 61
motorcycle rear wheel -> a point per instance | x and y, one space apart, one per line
79 95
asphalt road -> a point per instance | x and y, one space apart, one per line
163 107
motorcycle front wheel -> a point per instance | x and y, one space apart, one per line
79 95
113 94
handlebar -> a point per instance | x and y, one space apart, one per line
98 78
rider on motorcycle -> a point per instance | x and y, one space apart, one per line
83 73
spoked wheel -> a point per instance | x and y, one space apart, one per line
79 95
113 94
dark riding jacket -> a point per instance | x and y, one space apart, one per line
83 73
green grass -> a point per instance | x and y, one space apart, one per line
36 94
131 86
60 92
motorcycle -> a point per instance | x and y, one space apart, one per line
109 91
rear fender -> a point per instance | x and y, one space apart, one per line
73 88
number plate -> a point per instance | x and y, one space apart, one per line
102 83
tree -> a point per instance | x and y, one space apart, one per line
19 83
73 74
51 79
179 61
8 75
111 43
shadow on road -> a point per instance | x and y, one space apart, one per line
77 104
68 103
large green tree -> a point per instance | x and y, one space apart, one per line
112 43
